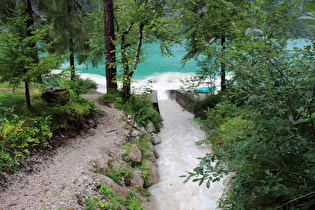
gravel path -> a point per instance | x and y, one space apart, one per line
65 178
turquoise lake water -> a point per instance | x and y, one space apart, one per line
155 64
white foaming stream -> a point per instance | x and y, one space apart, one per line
178 154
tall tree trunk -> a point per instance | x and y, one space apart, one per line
71 58
27 96
223 79
110 50
30 23
128 77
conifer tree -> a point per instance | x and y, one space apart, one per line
68 19
17 42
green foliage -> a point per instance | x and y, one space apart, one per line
202 105
139 106
113 201
24 53
11 99
118 174
18 138
80 86
23 133
68 116
266 142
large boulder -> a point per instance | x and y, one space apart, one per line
119 190
156 139
55 94
151 153
154 174
134 154
150 128
136 179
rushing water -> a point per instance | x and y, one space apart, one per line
179 154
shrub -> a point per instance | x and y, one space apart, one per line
80 86
139 106
113 201
21 137
23 133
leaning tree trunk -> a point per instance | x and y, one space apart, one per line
109 34
128 77
223 79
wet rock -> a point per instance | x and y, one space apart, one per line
151 153
156 154
134 154
156 140
154 174
150 128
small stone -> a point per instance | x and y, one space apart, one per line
134 133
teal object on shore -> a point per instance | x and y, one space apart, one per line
205 89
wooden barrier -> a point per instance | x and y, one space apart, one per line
155 101
181 98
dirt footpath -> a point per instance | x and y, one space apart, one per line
64 179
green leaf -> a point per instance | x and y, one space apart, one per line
208 184
267 172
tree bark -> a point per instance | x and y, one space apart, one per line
27 96
110 49
223 73
128 76
71 58
124 60
30 23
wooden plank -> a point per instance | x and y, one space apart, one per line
155 101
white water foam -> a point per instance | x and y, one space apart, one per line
161 83
178 154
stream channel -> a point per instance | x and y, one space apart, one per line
178 154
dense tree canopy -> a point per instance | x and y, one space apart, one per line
263 128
